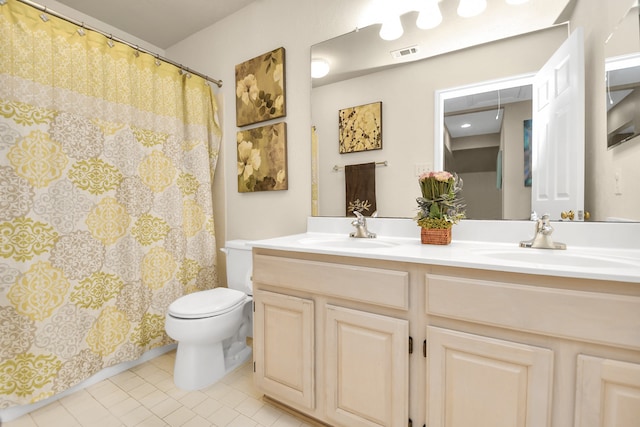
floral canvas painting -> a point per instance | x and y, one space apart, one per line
360 128
260 88
262 158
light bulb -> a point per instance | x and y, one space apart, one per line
429 16
391 28
469 8
319 68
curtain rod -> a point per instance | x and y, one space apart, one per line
82 25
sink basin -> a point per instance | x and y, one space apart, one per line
558 258
347 243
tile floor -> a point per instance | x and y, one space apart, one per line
145 396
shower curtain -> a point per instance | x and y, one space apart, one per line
107 157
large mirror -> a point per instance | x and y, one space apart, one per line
622 73
406 89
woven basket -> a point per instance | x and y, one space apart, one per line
435 236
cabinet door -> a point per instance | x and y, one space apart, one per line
366 368
484 382
607 393
283 346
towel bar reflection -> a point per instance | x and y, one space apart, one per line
384 163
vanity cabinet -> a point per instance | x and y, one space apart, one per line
331 339
498 348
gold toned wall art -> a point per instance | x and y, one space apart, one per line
262 158
260 88
360 128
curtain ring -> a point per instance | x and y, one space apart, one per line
44 16
81 30
137 52
110 41
158 63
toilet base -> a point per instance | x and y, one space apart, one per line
212 362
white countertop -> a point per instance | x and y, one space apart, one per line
601 262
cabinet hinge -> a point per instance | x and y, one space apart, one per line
410 345
424 348
254 366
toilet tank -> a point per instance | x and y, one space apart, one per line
239 265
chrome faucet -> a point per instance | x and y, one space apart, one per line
542 238
360 223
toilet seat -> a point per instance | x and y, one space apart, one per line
210 303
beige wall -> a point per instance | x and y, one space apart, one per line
260 27
516 197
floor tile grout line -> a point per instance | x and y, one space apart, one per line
237 384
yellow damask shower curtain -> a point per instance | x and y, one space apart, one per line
106 217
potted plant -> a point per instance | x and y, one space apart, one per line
439 207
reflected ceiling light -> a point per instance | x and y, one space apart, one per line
319 68
391 28
429 16
469 8
465 125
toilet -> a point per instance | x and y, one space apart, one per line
211 326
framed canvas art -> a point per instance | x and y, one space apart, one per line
360 128
262 158
260 88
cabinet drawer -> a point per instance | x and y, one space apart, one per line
590 316
387 288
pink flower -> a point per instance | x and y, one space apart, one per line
442 176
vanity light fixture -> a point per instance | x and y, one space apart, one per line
469 8
429 16
319 68
391 28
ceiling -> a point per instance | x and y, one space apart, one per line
480 111
162 23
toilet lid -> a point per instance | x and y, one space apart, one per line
206 303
